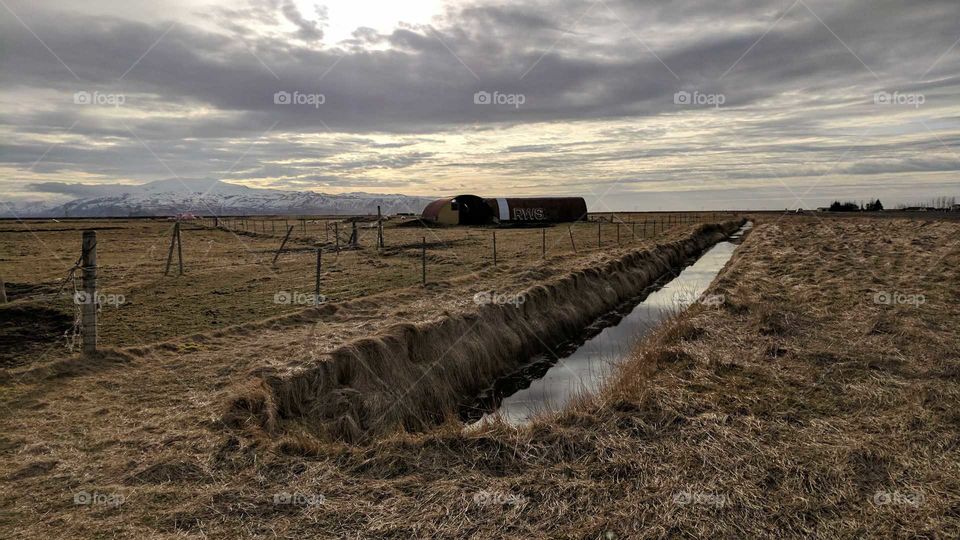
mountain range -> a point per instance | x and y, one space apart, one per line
204 197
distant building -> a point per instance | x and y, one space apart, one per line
474 210
955 208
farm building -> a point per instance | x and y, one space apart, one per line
474 210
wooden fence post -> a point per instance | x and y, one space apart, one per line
88 310
179 247
423 260
599 226
618 233
379 228
543 243
494 248
336 234
173 241
572 243
285 238
316 288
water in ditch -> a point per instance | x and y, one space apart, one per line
548 382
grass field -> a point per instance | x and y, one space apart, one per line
819 398
230 277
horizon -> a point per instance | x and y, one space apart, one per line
75 193
687 106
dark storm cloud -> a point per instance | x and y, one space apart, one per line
419 85
794 70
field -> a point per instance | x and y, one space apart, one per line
819 398
230 277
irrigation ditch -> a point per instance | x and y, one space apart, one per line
412 376
582 364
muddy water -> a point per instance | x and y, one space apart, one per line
549 382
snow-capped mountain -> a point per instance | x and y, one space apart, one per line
208 197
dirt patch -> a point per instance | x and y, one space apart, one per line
36 468
27 330
177 471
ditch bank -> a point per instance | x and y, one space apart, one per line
414 376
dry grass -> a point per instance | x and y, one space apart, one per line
783 413
410 375
229 276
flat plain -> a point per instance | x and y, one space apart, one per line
819 398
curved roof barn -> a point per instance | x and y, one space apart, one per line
473 210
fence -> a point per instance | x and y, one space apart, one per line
327 259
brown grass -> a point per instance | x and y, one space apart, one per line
230 278
411 375
798 408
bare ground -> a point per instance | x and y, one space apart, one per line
799 407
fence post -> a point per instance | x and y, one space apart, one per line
336 234
599 225
179 247
423 260
494 248
572 243
543 242
89 307
618 233
173 240
379 228
285 238
316 288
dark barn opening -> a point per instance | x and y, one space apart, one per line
472 210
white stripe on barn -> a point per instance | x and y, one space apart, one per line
504 209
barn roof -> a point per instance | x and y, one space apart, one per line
432 211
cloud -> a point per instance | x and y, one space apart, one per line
74 190
599 81
307 30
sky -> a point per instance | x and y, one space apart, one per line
634 105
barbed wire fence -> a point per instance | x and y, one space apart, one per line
420 250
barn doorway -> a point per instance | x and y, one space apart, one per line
472 210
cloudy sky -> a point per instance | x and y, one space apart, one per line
634 105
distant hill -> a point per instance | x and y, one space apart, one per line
206 197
